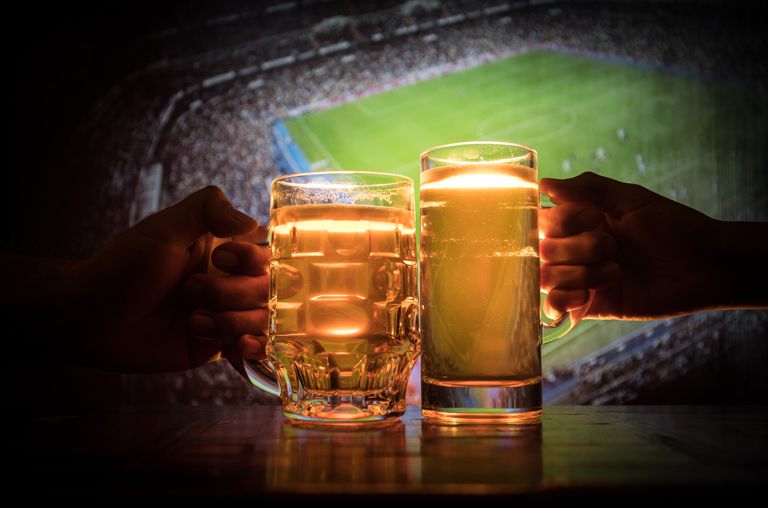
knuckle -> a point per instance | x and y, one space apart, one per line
211 190
594 247
546 247
588 176
208 193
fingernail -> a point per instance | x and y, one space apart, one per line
551 313
254 353
239 216
202 325
225 260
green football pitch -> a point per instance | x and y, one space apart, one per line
686 138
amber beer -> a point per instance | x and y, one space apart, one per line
480 292
343 309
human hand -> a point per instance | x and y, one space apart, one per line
144 303
646 256
235 298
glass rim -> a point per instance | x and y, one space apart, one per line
426 153
397 179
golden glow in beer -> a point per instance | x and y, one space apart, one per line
480 275
343 300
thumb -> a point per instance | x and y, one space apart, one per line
589 187
205 211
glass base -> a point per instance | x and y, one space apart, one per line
343 408
457 402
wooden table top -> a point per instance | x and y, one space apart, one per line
244 452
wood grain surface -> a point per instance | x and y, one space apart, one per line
250 452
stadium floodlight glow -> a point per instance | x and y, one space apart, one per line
481 181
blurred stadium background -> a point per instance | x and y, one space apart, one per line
123 110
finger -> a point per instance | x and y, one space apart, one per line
560 301
258 235
247 347
569 219
253 347
235 292
605 193
226 326
241 258
579 276
206 211
589 248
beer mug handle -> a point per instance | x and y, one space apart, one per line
259 372
261 375
566 322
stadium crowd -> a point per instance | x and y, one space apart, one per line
680 347
224 137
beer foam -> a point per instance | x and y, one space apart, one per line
481 181
525 252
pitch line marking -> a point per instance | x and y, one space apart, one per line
529 110
316 141
561 130
364 109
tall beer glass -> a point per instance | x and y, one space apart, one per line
480 289
343 326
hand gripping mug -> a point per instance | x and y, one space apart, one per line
480 294
343 299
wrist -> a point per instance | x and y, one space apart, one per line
737 264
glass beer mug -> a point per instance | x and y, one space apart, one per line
480 293
343 300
